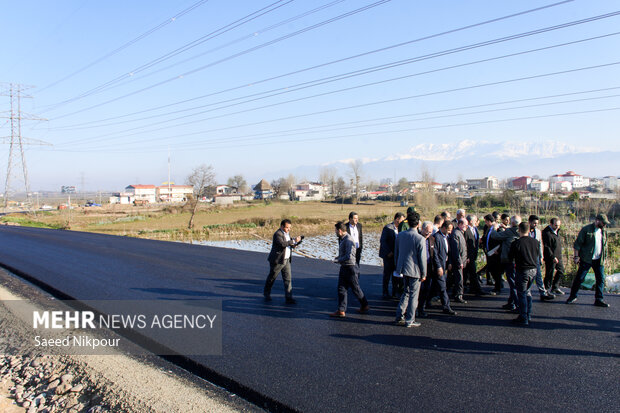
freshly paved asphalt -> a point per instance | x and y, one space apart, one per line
567 360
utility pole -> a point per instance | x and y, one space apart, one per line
15 140
169 185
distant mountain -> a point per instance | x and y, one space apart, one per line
477 159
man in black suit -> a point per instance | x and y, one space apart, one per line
552 253
493 253
458 258
354 228
280 260
472 241
440 268
386 252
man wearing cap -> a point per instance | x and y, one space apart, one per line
590 250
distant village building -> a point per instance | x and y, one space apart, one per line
539 185
226 199
423 186
376 194
611 183
225 190
489 182
521 183
576 180
143 193
174 193
122 198
263 190
560 186
310 191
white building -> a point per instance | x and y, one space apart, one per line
174 193
611 183
489 182
122 198
310 191
225 190
560 186
143 193
576 180
539 185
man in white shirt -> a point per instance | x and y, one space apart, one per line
354 228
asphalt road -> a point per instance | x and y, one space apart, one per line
567 360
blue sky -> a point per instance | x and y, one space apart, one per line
253 87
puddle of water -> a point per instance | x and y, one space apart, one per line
323 247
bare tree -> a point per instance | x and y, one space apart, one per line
356 173
327 177
200 178
340 187
283 185
238 181
403 183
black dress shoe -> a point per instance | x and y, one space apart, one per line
480 293
449 311
422 314
509 307
267 298
601 303
547 297
520 321
459 299
571 300
291 301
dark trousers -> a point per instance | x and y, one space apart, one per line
274 270
552 281
388 274
524 280
457 276
510 276
497 269
474 281
434 283
599 274
348 278
358 257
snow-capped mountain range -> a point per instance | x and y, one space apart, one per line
477 159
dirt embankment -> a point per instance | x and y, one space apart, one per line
33 382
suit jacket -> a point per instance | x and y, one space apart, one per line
359 231
279 246
507 237
458 248
552 245
440 258
472 244
387 241
410 254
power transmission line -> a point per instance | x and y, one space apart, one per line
126 45
169 55
139 128
254 83
433 93
253 49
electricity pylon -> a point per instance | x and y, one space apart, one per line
16 142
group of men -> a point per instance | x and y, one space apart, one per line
424 260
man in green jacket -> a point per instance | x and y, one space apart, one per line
590 249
